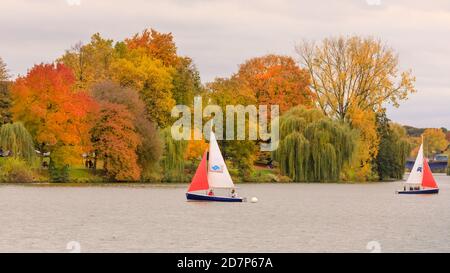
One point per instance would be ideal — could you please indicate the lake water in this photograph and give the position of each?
(287, 218)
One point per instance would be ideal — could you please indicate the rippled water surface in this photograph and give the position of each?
(287, 218)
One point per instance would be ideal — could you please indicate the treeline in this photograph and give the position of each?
(111, 102)
(106, 100)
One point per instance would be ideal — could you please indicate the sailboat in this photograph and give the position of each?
(420, 180)
(211, 174)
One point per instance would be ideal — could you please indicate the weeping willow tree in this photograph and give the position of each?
(313, 147)
(173, 157)
(15, 138)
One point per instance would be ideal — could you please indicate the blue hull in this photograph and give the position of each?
(425, 191)
(200, 197)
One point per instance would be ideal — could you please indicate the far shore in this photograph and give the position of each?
(179, 184)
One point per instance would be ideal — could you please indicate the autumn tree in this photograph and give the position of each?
(161, 46)
(53, 111)
(156, 45)
(360, 168)
(354, 72)
(434, 140)
(195, 149)
(115, 139)
(147, 62)
(149, 149)
(276, 79)
(137, 70)
(91, 62)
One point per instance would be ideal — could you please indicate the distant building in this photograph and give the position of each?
(441, 157)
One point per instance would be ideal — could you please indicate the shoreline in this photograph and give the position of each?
(175, 184)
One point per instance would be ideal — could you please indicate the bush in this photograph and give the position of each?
(15, 170)
(58, 174)
(284, 179)
(262, 176)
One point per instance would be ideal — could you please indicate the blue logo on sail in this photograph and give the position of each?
(216, 168)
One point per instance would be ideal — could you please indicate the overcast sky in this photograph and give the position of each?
(220, 34)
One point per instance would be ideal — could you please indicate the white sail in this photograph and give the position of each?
(416, 174)
(218, 175)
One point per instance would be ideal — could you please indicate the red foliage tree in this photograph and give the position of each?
(51, 109)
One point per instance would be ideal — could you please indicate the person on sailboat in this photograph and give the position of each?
(211, 192)
(233, 193)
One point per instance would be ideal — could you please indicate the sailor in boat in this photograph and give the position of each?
(420, 180)
(212, 173)
(233, 193)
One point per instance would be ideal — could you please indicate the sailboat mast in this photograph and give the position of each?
(426, 148)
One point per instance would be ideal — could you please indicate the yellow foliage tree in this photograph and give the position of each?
(434, 140)
(91, 62)
(354, 72)
(360, 168)
(140, 71)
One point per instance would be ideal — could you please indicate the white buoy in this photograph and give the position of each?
(254, 200)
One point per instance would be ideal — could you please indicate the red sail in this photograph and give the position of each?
(200, 180)
(428, 179)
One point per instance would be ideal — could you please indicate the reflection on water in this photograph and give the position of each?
(287, 218)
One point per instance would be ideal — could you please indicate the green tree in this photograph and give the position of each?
(234, 91)
(15, 138)
(173, 157)
(5, 103)
(4, 76)
(186, 82)
(313, 148)
(393, 149)
(5, 100)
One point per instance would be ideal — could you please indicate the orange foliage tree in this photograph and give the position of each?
(157, 45)
(54, 112)
(195, 148)
(278, 80)
(115, 140)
